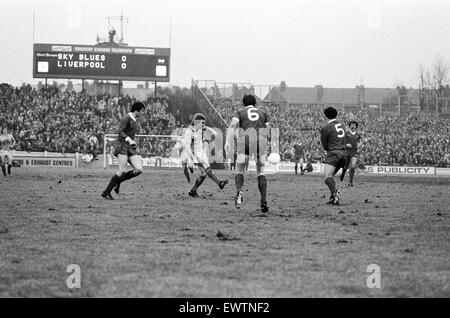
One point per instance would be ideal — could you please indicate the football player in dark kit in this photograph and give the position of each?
(125, 148)
(253, 124)
(352, 138)
(298, 151)
(333, 140)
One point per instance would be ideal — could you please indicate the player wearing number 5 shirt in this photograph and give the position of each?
(333, 140)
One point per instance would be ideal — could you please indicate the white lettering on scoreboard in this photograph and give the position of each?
(83, 60)
(401, 170)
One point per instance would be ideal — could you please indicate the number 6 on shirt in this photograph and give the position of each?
(253, 116)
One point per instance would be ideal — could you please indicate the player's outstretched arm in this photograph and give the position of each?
(212, 131)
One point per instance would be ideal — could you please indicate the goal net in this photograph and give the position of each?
(155, 150)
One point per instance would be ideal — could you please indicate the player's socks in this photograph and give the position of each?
(198, 183)
(4, 171)
(295, 168)
(126, 176)
(239, 180)
(114, 180)
(213, 176)
(262, 186)
(186, 173)
(117, 188)
(351, 174)
(341, 177)
(129, 175)
(331, 184)
(9, 169)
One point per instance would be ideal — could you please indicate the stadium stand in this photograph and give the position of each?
(388, 139)
(52, 120)
(67, 121)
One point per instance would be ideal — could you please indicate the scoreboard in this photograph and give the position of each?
(101, 62)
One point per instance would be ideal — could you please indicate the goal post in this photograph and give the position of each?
(155, 150)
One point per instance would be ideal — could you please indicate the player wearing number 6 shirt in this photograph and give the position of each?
(194, 143)
(333, 140)
(125, 149)
(253, 124)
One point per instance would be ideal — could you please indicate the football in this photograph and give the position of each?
(274, 158)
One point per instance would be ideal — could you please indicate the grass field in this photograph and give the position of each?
(155, 241)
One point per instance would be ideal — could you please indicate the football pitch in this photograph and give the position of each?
(156, 241)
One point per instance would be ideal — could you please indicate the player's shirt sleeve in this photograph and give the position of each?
(324, 138)
(123, 126)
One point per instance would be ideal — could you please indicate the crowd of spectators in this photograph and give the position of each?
(387, 139)
(49, 119)
(55, 120)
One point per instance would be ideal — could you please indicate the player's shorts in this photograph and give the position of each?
(185, 158)
(298, 159)
(124, 148)
(258, 151)
(337, 158)
(201, 158)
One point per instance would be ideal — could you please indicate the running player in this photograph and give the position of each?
(298, 151)
(7, 143)
(253, 124)
(352, 138)
(333, 141)
(125, 149)
(194, 145)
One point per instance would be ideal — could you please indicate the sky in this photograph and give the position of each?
(305, 43)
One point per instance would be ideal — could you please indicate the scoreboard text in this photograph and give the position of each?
(100, 62)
